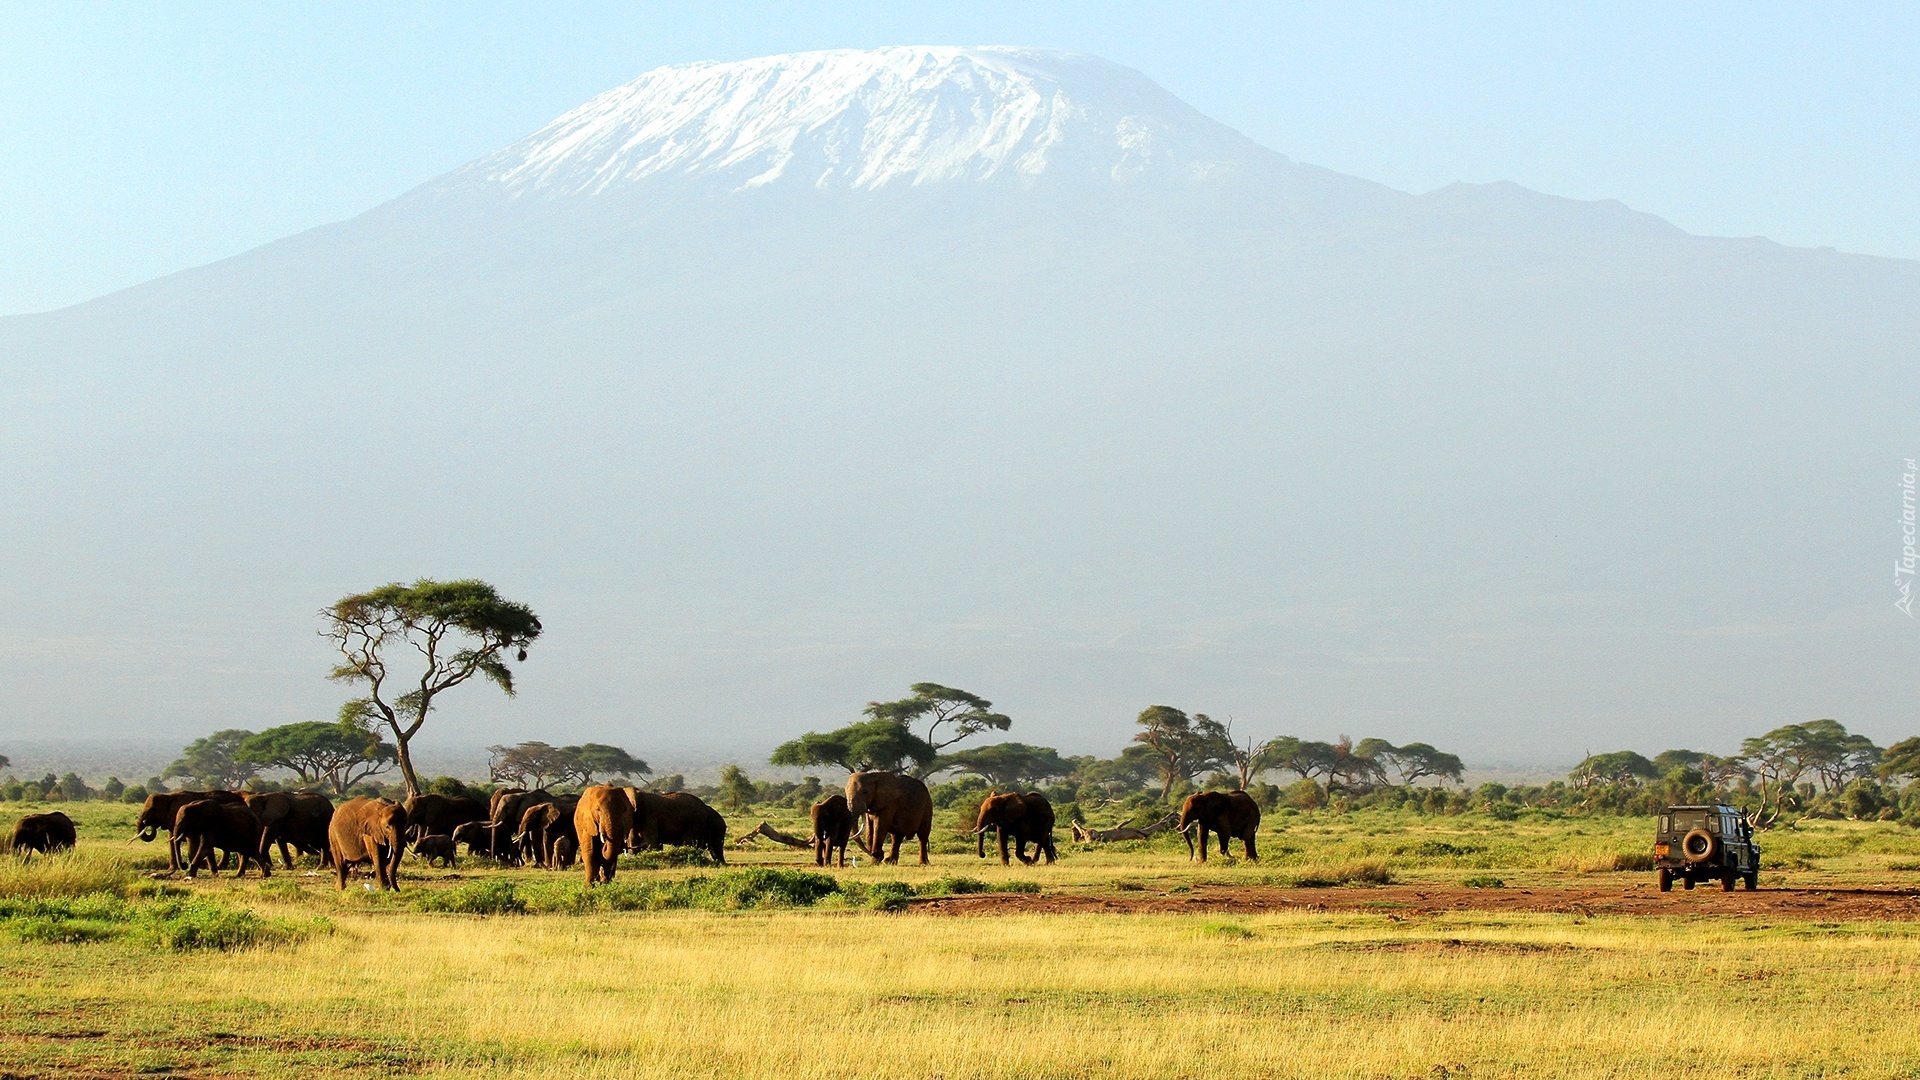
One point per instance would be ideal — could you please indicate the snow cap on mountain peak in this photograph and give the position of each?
(870, 119)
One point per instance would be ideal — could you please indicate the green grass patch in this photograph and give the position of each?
(161, 919)
(1483, 881)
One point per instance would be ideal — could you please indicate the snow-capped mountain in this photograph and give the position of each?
(776, 386)
(864, 120)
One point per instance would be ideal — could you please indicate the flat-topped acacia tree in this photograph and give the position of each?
(453, 630)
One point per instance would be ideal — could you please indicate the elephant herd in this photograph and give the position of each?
(211, 829)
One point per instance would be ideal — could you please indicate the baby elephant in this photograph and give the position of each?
(564, 849)
(435, 849)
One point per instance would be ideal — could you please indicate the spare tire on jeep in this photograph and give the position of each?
(1699, 845)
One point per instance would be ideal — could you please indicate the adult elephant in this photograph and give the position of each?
(439, 815)
(541, 825)
(832, 825)
(1225, 813)
(1023, 819)
(895, 805)
(210, 825)
(506, 812)
(158, 812)
(306, 827)
(368, 831)
(44, 833)
(602, 824)
(296, 820)
(676, 819)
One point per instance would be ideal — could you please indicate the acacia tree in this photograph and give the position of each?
(1417, 760)
(1901, 760)
(1183, 745)
(214, 761)
(340, 754)
(452, 631)
(538, 763)
(964, 715)
(1008, 765)
(870, 744)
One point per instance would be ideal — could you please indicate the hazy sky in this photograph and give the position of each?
(138, 139)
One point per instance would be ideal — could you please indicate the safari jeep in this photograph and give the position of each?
(1692, 844)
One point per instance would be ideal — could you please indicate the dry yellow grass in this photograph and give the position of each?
(846, 995)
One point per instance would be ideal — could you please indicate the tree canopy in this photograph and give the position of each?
(1183, 746)
(340, 754)
(214, 761)
(1417, 761)
(538, 764)
(1902, 759)
(449, 632)
(1617, 767)
(1008, 765)
(870, 744)
(961, 714)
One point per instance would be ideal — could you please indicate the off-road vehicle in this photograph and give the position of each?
(1692, 844)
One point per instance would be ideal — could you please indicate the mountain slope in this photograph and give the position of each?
(776, 386)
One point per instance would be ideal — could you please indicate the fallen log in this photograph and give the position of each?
(775, 835)
(1084, 835)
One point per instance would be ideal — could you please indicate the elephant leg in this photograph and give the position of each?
(1203, 843)
(1248, 841)
(339, 867)
(1003, 845)
(924, 835)
(173, 851)
(1188, 837)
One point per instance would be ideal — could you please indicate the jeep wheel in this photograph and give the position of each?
(1699, 846)
(1726, 882)
(1753, 880)
(1665, 877)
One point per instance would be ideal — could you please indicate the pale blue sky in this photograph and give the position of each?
(138, 139)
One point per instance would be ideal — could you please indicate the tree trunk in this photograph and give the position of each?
(406, 763)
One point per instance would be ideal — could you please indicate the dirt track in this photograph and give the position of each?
(1815, 905)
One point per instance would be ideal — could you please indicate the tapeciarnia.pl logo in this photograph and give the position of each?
(1904, 566)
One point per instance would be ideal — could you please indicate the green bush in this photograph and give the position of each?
(881, 895)
(478, 898)
(667, 858)
(951, 885)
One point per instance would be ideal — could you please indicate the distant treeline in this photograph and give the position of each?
(1817, 768)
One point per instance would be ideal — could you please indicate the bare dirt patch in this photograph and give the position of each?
(1814, 905)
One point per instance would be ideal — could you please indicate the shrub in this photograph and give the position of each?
(135, 795)
(669, 857)
(478, 898)
(951, 885)
(881, 895)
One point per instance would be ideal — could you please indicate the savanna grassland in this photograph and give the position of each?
(1333, 956)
